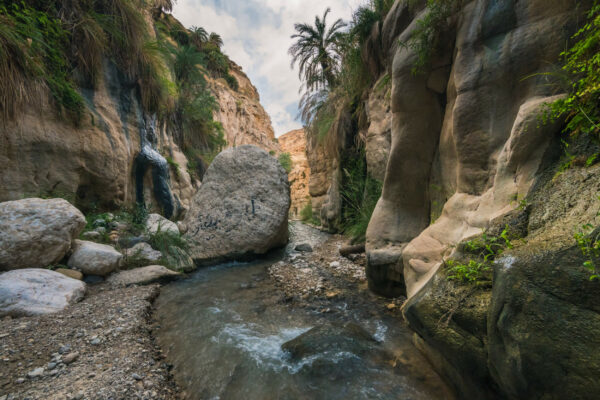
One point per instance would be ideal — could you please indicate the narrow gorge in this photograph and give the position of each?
(427, 228)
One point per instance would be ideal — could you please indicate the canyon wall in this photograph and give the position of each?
(464, 155)
(469, 155)
(294, 143)
(93, 163)
(244, 119)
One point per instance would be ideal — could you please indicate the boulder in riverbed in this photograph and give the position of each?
(143, 276)
(36, 233)
(35, 291)
(330, 338)
(241, 208)
(94, 258)
(144, 253)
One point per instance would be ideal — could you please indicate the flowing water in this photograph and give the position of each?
(223, 329)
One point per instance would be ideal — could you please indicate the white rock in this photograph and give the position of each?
(36, 233)
(155, 221)
(35, 291)
(94, 258)
(142, 276)
(36, 372)
(144, 252)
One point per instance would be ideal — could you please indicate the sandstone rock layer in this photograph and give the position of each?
(294, 143)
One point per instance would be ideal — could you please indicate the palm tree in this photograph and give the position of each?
(187, 63)
(198, 36)
(317, 51)
(215, 39)
(164, 5)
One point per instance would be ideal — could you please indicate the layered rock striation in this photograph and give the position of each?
(295, 143)
(244, 119)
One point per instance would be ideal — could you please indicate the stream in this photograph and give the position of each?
(223, 330)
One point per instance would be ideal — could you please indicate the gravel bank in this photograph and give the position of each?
(100, 348)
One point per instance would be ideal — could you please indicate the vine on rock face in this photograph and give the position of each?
(425, 40)
(581, 71)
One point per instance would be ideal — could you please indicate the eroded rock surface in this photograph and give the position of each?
(36, 233)
(241, 208)
(294, 142)
(243, 118)
(35, 291)
(462, 162)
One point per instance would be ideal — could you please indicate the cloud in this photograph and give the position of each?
(257, 37)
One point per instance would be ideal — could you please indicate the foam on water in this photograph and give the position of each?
(266, 350)
(380, 331)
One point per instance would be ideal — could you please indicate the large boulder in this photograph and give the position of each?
(241, 208)
(94, 258)
(36, 233)
(34, 291)
(143, 276)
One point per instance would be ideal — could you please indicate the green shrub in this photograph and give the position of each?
(232, 82)
(306, 214)
(285, 159)
(172, 246)
(360, 194)
(425, 40)
(486, 248)
(466, 273)
(589, 245)
(581, 72)
(33, 45)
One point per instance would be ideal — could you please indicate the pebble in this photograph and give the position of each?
(51, 365)
(64, 349)
(69, 358)
(78, 396)
(334, 264)
(20, 380)
(35, 373)
(136, 377)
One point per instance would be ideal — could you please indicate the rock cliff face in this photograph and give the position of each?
(243, 118)
(467, 147)
(466, 128)
(97, 163)
(294, 143)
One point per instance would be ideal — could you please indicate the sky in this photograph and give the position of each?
(257, 37)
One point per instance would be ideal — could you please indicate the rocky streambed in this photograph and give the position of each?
(297, 325)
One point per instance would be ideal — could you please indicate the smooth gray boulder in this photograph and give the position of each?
(156, 221)
(36, 233)
(143, 276)
(143, 252)
(94, 258)
(241, 209)
(34, 291)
